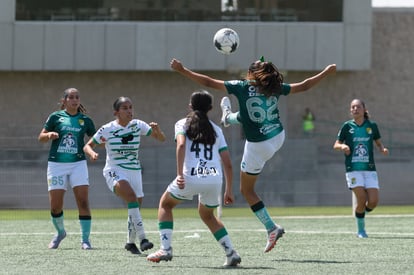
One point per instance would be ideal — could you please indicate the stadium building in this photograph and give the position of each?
(109, 48)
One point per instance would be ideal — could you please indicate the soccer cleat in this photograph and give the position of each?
(54, 243)
(86, 245)
(272, 238)
(161, 255)
(362, 234)
(131, 247)
(233, 259)
(145, 245)
(226, 110)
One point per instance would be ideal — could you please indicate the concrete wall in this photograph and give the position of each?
(145, 46)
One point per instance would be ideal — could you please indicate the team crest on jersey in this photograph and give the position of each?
(353, 181)
(81, 122)
(369, 131)
(133, 127)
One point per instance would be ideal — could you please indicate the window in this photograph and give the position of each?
(179, 10)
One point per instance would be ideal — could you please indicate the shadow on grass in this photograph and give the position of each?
(392, 237)
(235, 268)
(313, 261)
(217, 267)
(241, 267)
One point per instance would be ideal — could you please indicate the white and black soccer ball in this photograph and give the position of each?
(226, 41)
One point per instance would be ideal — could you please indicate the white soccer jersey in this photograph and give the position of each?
(122, 143)
(202, 162)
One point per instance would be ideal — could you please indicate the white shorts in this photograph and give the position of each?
(60, 174)
(366, 179)
(256, 154)
(209, 193)
(133, 177)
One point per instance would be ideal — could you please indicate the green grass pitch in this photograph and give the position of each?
(318, 240)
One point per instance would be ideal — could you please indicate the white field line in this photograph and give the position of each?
(346, 216)
(192, 231)
(2, 234)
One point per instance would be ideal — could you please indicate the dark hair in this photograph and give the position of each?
(81, 108)
(266, 77)
(199, 128)
(118, 102)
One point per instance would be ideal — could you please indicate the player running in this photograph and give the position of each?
(201, 148)
(122, 170)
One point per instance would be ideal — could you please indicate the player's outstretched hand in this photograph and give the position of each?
(330, 68)
(176, 65)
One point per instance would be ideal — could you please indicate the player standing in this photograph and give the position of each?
(67, 163)
(355, 139)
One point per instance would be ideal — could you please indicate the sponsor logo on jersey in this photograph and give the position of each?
(269, 128)
(68, 144)
(202, 170)
(360, 153)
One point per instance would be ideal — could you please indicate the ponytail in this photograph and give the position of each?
(199, 128)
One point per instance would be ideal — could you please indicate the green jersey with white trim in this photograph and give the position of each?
(72, 130)
(122, 143)
(258, 114)
(360, 139)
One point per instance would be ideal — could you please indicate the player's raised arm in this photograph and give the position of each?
(201, 79)
(313, 80)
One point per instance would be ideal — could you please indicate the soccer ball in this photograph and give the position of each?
(226, 41)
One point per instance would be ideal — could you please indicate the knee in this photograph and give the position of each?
(245, 191)
(166, 203)
(242, 190)
(165, 206)
(207, 218)
(372, 204)
(372, 201)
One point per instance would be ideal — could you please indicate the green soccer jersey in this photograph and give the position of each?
(258, 114)
(360, 139)
(72, 130)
